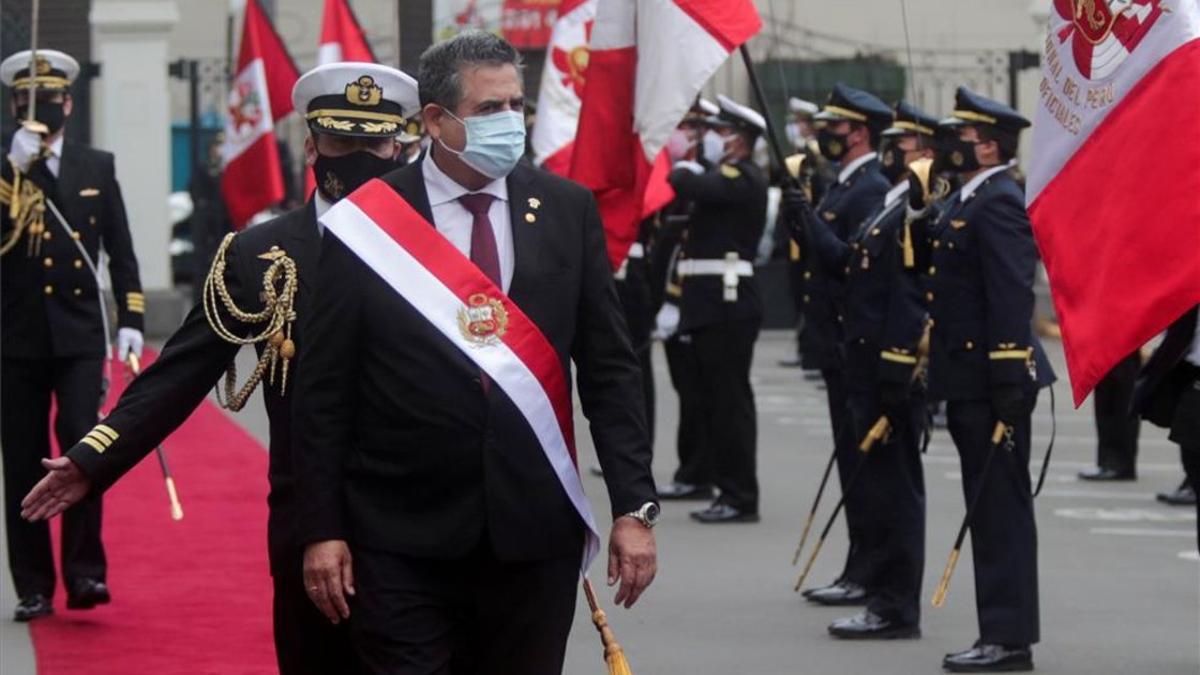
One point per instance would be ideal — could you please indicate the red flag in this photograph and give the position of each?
(261, 94)
(639, 85)
(1118, 226)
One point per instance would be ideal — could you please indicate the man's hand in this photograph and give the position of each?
(60, 489)
(129, 340)
(632, 559)
(329, 578)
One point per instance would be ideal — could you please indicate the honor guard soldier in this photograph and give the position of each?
(721, 309)
(258, 293)
(60, 203)
(693, 479)
(633, 288)
(884, 321)
(985, 362)
(801, 133)
(849, 130)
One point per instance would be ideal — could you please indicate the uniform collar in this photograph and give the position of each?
(56, 147)
(895, 194)
(972, 185)
(849, 169)
(443, 189)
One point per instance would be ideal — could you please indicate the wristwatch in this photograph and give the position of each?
(647, 515)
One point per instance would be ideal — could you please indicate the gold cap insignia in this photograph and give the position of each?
(483, 320)
(42, 66)
(364, 91)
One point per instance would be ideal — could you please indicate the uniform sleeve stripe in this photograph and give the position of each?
(99, 438)
(107, 431)
(88, 441)
(1009, 354)
(898, 358)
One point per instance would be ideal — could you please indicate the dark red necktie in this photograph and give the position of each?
(483, 239)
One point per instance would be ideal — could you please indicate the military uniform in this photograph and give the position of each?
(981, 261)
(204, 347)
(857, 193)
(632, 280)
(720, 308)
(53, 334)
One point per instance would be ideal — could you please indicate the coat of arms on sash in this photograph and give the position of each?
(483, 321)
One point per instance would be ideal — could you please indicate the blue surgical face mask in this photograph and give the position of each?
(495, 142)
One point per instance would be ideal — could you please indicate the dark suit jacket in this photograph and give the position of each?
(981, 261)
(193, 361)
(400, 447)
(1158, 388)
(49, 304)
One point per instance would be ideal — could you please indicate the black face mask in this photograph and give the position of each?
(956, 155)
(831, 145)
(891, 161)
(339, 176)
(50, 114)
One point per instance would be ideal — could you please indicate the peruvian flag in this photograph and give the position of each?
(561, 90)
(261, 94)
(648, 60)
(342, 39)
(1114, 184)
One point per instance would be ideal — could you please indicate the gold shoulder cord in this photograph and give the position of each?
(278, 314)
(27, 208)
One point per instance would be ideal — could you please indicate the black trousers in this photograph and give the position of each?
(724, 352)
(26, 386)
(306, 643)
(691, 438)
(1185, 430)
(858, 568)
(1116, 424)
(891, 485)
(477, 615)
(1003, 531)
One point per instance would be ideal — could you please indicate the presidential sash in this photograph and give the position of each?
(450, 292)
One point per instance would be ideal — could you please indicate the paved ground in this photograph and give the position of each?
(1119, 575)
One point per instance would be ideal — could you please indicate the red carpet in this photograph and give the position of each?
(192, 596)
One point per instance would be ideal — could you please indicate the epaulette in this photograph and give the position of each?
(27, 209)
(276, 318)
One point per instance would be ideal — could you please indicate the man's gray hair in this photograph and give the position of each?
(440, 73)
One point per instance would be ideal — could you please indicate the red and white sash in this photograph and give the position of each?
(450, 291)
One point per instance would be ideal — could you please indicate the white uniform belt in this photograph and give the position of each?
(696, 267)
(637, 250)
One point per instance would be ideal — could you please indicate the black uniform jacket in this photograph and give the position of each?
(195, 358)
(979, 260)
(1159, 385)
(399, 444)
(885, 311)
(49, 306)
(844, 207)
(729, 215)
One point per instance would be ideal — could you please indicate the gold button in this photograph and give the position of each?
(48, 262)
(78, 264)
(875, 232)
(932, 270)
(862, 341)
(929, 296)
(806, 298)
(48, 289)
(75, 235)
(969, 345)
(529, 218)
(78, 291)
(937, 243)
(846, 270)
(839, 318)
(47, 236)
(91, 220)
(807, 275)
(950, 245)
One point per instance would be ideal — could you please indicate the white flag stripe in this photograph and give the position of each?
(558, 104)
(252, 80)
(614, 27)
(329, 52)
(440, 306)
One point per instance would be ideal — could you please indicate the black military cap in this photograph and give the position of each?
(909, 119)
(855, 105)
(971, 108)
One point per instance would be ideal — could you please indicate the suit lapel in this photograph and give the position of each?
(70, 167)
(409, 181)
(303, 244)
(527, 227)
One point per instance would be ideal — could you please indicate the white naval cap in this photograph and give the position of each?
(798, 106)
(738, 115)
(54, 70)
(349, 98)
(708, 107)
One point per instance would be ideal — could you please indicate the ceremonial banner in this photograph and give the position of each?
(647, 62)
(1114, 181)
(261, 94)
(562, 86)
(409, 254)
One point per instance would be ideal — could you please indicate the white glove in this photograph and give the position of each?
(666, 322)
(129, 340)
(26, 147)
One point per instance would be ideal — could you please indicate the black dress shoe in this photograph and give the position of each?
(33, 607)
(808, 592)
(87, 593)
(870, 626)
(1184, 495)
(840, 594)
(1105, 474)
(724, 513)
(683, 491)
(983, 658)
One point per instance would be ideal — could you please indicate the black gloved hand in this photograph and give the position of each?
(1008, 403)
(792, 205)
(893, 397)
(916, 194)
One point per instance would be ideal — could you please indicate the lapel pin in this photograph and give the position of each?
(534, 203)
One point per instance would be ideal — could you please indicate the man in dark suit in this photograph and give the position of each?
(721, 308)
(53, 324)
(980, 259)
(416, 460)
(884, 322)
(1167, 393)
(194, 358)
(848, 133)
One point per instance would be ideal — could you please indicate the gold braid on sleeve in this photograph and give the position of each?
(272, 325)
(27, 209)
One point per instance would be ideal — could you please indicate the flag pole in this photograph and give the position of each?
(772, 139)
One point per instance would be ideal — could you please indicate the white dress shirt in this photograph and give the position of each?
(454, 221)
(321, 205)
(850, 168)
(973, 184)
(55, 158)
